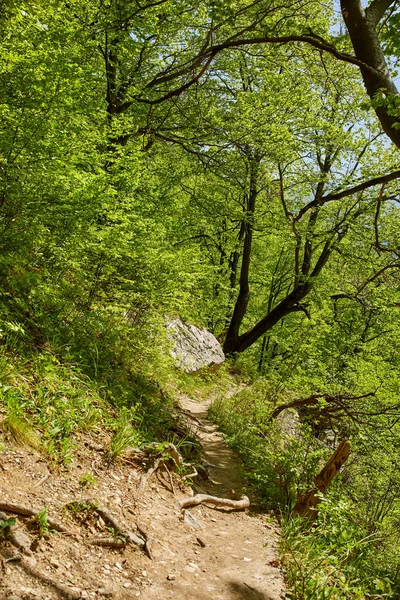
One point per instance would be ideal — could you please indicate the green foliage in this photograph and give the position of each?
(42, 523)
(333, 560)
(87, 480)
(280, 464)
(5, 525)
(124, 435)
(21, 432)
(127, 160)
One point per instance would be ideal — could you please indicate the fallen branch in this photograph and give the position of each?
(331, 404)
(62, 590)
(29, 512)
(244, 502)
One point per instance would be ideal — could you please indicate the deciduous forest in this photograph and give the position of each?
(236, 164)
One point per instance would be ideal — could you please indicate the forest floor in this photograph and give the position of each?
(220, 554)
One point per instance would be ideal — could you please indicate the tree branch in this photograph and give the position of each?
(377, 9)
(383, 179)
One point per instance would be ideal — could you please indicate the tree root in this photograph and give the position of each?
(171, 481)
(244, 502)
(62, 590)
(21, 541)
(146, 477)
(191, 475)
(108, 542)
(24, 511)
(109, 518)
(148, 541)
(168, 454)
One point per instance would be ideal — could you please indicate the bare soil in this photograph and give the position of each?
(205, 553)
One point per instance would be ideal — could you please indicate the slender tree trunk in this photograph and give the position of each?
(242, 300)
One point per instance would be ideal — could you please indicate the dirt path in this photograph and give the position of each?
(235, 559)
(240, 558)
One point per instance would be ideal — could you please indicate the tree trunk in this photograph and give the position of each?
(286, 306)
(361, 24)
(242, 300)
(306, 503)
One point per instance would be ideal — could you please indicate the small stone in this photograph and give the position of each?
(105, 591)
(193, 521)
(171, 577)
(54, 563)
(144, 573)
(127, 584)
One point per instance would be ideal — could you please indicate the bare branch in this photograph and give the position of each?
(383, 179)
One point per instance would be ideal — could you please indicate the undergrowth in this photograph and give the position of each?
(341, 555)
(47, 401)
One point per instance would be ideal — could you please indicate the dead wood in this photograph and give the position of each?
(200, 542)
(64, 591)
(24, 511)
(244, 502)
(109, 518)
(333, 404)
(42, 480)
(306, 503)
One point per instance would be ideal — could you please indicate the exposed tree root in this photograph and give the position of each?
(244, 502)
(146, 477)
(148, 541)
(108, 542)
(191, 475)
(24, 511)
(62, 590)
(169, 458)
(109, 518)
(171, 481)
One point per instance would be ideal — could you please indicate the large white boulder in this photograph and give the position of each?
(193, 347)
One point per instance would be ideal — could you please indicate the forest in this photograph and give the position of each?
(235, 163)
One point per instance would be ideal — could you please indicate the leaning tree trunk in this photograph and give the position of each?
(362, 27)
(306, 505)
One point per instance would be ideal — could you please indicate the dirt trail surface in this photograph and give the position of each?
(199, 554)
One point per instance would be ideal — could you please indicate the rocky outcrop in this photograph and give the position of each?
(193, 347)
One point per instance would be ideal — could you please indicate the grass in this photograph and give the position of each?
(336, 558)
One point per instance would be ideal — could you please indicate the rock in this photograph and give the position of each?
(21, 540)
(105, 591)
(193, 347)
(193, 521)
